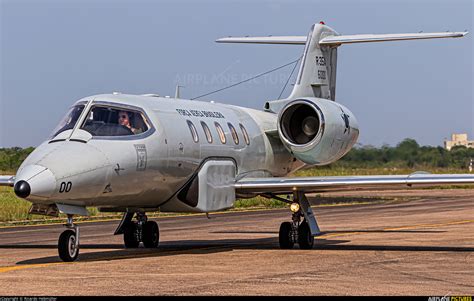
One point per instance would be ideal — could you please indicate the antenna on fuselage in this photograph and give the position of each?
(176, 93)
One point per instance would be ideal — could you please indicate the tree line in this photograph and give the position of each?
(407, 153)
(11, 158)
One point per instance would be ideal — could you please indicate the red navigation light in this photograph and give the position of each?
(322, 23)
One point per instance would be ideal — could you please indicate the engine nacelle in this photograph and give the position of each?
(317, 131)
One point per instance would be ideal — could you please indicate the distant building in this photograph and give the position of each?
(458, 139)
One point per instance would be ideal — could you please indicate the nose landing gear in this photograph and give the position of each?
(297, 231)
(68, 243)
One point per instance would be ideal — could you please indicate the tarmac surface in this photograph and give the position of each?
(420, 246)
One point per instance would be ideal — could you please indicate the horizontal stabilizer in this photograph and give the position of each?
(292, 40)
(365, 38)
(342, 39)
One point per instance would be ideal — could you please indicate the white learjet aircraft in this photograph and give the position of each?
(140, 153)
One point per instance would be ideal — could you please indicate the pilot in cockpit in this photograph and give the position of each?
(124, 118)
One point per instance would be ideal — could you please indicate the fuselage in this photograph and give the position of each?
(146, 170)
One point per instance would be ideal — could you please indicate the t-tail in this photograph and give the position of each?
(317, 73)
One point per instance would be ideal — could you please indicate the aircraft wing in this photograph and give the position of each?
(348, 183)
(7, 180)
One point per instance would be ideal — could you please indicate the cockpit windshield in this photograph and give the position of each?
(111, 121)
(69, 120)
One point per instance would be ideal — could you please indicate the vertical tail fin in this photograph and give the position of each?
(317, 74)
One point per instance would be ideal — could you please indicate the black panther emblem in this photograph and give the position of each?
(345, 117)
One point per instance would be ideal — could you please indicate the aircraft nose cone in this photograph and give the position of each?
(34, 182)
(22, 189)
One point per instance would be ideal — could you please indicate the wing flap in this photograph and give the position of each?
(348, 183)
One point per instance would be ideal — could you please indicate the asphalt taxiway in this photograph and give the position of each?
(423, 246)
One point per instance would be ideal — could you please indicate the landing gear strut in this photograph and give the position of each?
(68, 244)
(297, 231)
(142, 230)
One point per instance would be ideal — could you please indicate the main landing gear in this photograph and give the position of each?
(297, 231)
(142, 230)
(68, 244)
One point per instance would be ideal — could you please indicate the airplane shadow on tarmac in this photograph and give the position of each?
(172, 248)
(330, 232)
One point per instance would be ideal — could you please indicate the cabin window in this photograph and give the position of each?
(207, 131)
(244, 132)
(114, 121)
(193, 130)
(234, 133)
(220, 131)
(69, 120)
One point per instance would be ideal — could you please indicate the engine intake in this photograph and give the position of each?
(317, 131)
(300, 123)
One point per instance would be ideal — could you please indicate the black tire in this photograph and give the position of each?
(151, 235)
(285, 236)
(305, 238)
(130, 238)
(67, 246)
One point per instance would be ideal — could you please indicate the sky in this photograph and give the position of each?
(53, 53)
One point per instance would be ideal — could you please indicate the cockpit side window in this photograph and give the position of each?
(69, 120)
(111, 121)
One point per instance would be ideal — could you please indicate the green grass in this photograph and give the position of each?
(258, 202)
(11, 207)
(346, 171)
